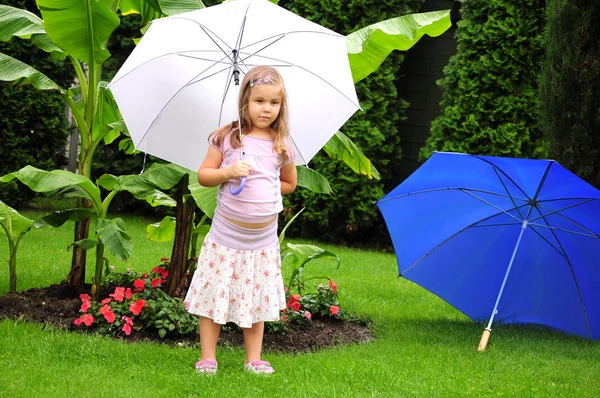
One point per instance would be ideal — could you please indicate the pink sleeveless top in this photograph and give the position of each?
(260, 199)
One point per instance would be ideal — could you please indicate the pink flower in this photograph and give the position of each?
(334, 309)
(139, 285)
(307, 314)
(187, 305)
(109, 316)
(85, 306)
(104, 309)
(106, 301)
(127, 320)
(136, 307)
(77, 321)
(333, 286)
(127, 329)
(85, 297)
(87, 319)
(128, 294)
(119, 294)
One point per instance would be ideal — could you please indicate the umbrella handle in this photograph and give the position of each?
(235, 191)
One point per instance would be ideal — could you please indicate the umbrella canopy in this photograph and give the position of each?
(178, 85)
(501, 239)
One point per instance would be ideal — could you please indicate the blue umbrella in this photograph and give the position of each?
(501, 239)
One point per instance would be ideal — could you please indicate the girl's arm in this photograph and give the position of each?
(210, 174)
(289, 178)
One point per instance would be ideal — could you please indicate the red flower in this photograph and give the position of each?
(104, 309)
(139, 285)
(119, 294)
(109, 316)
(307, 314)
(164, 260)
(295, 297)
(85, 306)
(127, 329)
(156, 282)
(284, 318)
(160, 270)
(334, 309)
(86, 319)
(295, 306)
(136, 307)
(128, 294)
(85, 297)
(333, 286)
(106, 301)
(127, 320)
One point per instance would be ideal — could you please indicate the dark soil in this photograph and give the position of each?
(58, 305)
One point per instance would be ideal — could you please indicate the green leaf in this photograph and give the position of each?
(282, 234)
(60, 217)
(173, 7)
(163, 231)
(368, 47)
(312, 252)
(86, 244)
(106, 114)
(205, 197)
(13, 70)
(12, 221)
(162, 332)
(112, 234)
(80, 27)
(58, 181)
(340, 147)
(138, 187)
(310, 179)
(164, 176)
(15, 22)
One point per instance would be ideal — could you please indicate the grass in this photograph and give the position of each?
(423, 347)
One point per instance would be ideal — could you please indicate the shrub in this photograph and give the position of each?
(490, 90)
(570, 86)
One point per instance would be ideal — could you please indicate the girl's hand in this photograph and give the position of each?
(239, 169)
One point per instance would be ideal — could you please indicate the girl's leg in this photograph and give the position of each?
(253, 338)
(209, 336)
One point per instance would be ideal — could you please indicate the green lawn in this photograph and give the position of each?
(423, 347)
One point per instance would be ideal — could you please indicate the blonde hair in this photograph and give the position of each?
(279, 125)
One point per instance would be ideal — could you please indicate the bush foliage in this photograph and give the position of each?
(33, 129)
(490, 90)
(349, 214)
(570, 86)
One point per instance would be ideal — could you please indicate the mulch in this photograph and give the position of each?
(58, 305)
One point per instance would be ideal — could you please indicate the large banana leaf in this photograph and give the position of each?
(13, 70)
(58, 181)
(80, 27)
(112, 234)
(340, 147)
(106, 114)
(165, 176)
(12, 222)
(310, 179)
(205, 197)
(26, 25)
(163, 231)
(368, 47)
(138, 187)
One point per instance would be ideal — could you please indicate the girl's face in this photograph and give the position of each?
(264, 104)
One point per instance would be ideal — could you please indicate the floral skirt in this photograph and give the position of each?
(237, 285)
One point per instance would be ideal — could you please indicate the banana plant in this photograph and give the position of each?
(108, 233)
(78, 31)
(15, 226)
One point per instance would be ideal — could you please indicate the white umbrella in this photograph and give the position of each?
(178, 85)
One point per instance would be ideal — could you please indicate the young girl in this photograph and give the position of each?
(238, 278)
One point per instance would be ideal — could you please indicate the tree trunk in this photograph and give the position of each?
(178, 265)
(76, 277)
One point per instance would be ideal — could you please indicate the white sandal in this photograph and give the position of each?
(207, 366)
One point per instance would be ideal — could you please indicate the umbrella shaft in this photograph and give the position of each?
(512, 259)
